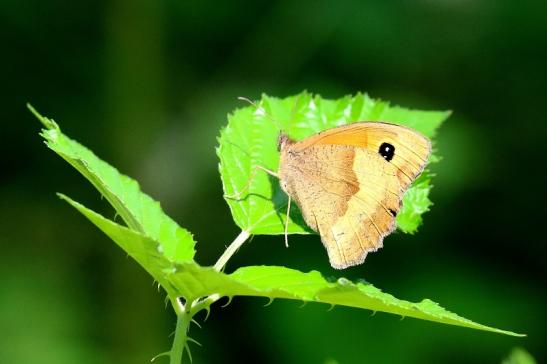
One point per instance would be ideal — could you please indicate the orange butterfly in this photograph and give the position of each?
(349, 182)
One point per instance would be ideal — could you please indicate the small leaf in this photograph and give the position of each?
(140, 212)
(250, 139)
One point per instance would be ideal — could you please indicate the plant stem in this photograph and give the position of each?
(232, 248)
(186, 312)
(181, 337)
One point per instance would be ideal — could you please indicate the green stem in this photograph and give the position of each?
(186, 312)
(232, 248)
(181, 337)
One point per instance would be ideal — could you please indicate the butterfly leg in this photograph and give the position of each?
(287, 223)
(237, 196)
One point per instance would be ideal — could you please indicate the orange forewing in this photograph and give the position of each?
(411, 148)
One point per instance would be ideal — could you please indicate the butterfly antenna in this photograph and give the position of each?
(261, 110)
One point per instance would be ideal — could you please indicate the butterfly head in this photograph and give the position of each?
(283, 141)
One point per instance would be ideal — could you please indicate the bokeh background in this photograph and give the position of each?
(148, 84)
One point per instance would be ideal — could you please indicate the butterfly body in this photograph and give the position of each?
(349, 182)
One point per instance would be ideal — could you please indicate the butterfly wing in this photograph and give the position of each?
(411, 149)
(347, 191)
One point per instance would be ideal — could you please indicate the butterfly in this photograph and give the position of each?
(349, 182)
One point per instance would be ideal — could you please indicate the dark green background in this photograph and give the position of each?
(148, 84)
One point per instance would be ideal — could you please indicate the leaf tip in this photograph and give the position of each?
(62, 196)
(515, 334)
(68, 200)
(48, 123)
(32, 109)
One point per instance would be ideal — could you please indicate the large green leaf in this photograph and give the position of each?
(250, 139)
(140, 212)
(191, 281)
(280, 282)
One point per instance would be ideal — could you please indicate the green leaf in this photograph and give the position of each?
(416, 202)
(250, 139)
(191, 281)
(280, 282)
(140, 212)
(145, 250)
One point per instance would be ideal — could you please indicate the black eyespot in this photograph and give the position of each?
(387, 151)
(393, 212)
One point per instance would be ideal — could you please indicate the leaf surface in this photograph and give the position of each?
(250, 139)
(138, 210)
(191, 281)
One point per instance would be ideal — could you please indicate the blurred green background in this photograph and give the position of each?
(148, 84)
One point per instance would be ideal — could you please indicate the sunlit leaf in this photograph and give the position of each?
(145, 250)
(250, 139)
(140, 212)
(279, 282)
(191, 281)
